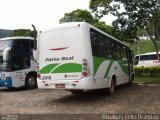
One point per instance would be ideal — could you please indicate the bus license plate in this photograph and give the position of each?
(60, 86)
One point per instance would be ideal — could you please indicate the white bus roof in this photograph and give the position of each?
(149, 53)
(76, 24)
(17, 37)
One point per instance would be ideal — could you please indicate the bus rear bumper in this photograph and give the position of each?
(81, 84)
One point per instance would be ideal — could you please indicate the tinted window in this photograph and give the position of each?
(148, 57)
(106, 47)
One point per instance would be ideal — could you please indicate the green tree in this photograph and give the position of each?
(80, 15)
(22, 32)
(137, 14)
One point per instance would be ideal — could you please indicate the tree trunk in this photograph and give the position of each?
(154, 43)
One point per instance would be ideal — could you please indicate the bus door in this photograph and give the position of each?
(20, 60)
(18, 69)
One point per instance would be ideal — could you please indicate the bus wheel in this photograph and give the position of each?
(111, 89)
(76, 91)
(31, 81)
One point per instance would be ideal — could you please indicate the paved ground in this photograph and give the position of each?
(126, 100)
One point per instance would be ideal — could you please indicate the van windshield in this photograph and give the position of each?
(136, 60)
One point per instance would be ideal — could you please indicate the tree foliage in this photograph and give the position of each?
(103, 7)
(22, 32)
(138, 14)
(80, 15)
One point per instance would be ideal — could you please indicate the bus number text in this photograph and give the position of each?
(46, 78)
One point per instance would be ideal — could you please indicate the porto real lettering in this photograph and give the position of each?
(58, 59)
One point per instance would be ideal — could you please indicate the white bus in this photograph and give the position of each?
(146, 60)
(78, 57)
(17, 65)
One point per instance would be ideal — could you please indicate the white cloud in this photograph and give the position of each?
(15, 14)
(43, 13)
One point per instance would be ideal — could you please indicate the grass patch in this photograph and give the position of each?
(147, 80)
(144, 46)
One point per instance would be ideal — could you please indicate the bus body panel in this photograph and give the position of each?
(60, 56)
(148, 63)
(147, 60)
(104, 74)
(16, 78)
(53, 45)
(85, 84)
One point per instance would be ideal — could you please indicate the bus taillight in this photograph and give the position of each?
(38, 76)
(85, 68)
(84, 74)
(84, 64)
(37, 67)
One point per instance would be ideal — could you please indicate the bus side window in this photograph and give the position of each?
(94, 40)
(102, 46)
(118, 50)
(154, 57)
(124, 54)
(108, 48)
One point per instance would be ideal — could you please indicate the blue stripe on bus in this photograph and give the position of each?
(5, 83)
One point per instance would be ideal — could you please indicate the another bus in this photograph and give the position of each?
(78, 57)
(146, 60)
(17, 65)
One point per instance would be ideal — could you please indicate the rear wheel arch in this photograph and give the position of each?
(113, 84)
(114, 78)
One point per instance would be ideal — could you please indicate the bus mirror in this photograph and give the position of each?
(35, 36)
(35, 44)
(6, 53)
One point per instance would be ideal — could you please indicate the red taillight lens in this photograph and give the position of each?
(84, 64)
(85, 68)
(38, 75)
(37, 67)
(84, 74)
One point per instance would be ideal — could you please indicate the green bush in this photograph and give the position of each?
(147, 71)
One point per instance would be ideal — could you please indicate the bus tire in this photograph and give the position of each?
(111, 89)
(76, 91)
(31, 81)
